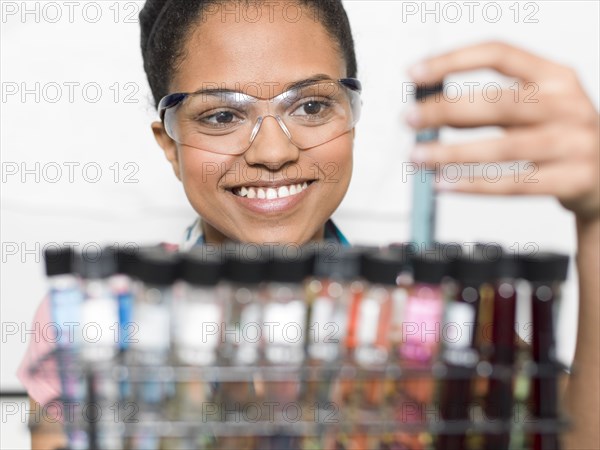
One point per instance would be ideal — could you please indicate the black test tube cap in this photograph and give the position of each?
(506, 265)
(383, 266)
(509, 266)
(97, 265)
(431, 266)
(127, 260)
(157, 266)
(202, 266)
(545, 267)
(335, 261)
(244, 263)
(407, 250)
(289, 264)
(424, 91)
(475, 267)
(59, 260)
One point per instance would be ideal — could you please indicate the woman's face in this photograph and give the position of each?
(271, 53)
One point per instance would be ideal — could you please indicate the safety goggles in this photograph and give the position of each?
(310, 114)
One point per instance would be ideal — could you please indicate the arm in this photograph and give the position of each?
(582, 394)
(45, 434)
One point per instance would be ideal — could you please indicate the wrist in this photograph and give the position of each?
(588, 230)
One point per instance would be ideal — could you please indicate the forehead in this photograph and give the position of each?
(235, 44)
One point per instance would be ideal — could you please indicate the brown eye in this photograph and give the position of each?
(311, 108)
(224, 117)
(220, 119)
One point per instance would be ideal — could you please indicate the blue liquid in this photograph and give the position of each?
(424, 198)
(125, 300)
(66, 305)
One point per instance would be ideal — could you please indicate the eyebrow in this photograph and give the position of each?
(294, 85)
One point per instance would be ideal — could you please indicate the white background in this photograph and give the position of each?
(153, 208)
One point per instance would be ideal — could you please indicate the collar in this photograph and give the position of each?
(193, 235)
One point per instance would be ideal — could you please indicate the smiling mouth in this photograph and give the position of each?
(270, 193)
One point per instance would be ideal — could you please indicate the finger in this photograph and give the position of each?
(504, 58)
(525, 106)
(539, 144)
(566, 181)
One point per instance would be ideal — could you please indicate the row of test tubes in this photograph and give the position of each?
(322, 346)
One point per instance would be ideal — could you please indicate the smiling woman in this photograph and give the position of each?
(271, 155)
(258, 101)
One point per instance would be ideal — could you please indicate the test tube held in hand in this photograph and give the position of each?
(424, 198)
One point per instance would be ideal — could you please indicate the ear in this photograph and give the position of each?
(168, 145)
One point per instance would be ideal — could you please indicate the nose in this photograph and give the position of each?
(271, 145)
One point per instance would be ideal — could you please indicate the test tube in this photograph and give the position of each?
(198, 313)
(406, 252)
(423, 197)
(245, 271)
(380, 270)
(353, 319)
(499, 399)
(420, 341)
(336, 269)
(285, 305)
(157, 270)
(245, 266)
(546, 272)
(424, 307)
(100, 314)
(100, 332)
(335, 289)
(66, 302)
(284, 319)
(124, 286)
(461, 350)
(378, 308)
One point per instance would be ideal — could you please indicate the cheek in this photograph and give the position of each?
(336, 161)
(201, 171)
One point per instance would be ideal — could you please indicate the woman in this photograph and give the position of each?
(266, 177)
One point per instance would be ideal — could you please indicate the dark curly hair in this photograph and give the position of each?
(166, 23)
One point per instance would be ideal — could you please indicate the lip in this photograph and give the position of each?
(272, 206)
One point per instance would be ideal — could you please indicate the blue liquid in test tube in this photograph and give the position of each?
(424, 197)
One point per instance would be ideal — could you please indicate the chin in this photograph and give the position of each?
(276, 236)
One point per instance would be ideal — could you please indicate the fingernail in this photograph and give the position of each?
(419, 71)
(413, 116)
(419, 154)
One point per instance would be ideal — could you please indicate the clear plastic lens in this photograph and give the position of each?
(223, 122)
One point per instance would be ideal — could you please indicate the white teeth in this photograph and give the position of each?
(283, 192)
(270, 193)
